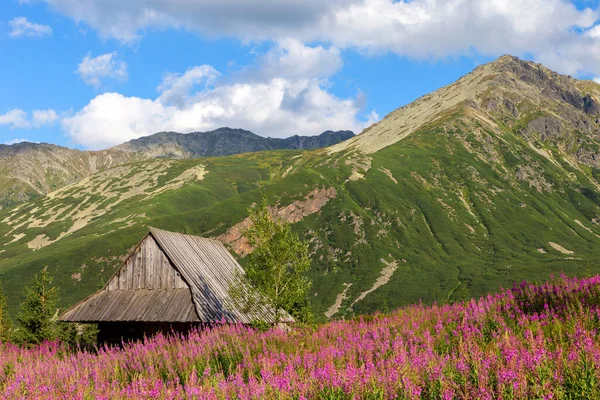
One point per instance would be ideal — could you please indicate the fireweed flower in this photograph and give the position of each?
(526, 342)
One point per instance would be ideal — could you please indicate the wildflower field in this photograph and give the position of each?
(526, 342)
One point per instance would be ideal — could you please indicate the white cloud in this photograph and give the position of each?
(247, 19)
(597, 80)
(293, 60)
(17, 118)
(279, 108)
(176, 88)
(111, 118)
(43, 117)
(270, 99)
(20, 26)
(93, 69)
(424, 28)
(551, 30)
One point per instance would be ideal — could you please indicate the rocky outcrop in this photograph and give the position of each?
(546, 127)
(533, 177)
(590, 106)
(292, 213)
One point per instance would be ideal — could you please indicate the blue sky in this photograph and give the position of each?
(94, 73)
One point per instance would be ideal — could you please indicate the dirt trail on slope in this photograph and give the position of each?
(386, 275)
(335, 307)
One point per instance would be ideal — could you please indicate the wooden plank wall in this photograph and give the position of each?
(147, 268)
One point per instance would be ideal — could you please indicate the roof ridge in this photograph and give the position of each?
(151, 229)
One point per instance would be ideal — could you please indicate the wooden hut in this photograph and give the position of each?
(170, 282)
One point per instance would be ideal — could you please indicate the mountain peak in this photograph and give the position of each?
(509, 58)
(496, 94)
(518, 67)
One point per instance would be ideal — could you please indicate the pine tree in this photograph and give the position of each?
(5, 320)
(36, 317)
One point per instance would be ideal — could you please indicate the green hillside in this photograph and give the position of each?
(30, 170)
(474, 197)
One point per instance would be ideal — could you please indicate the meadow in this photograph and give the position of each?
(531, 341)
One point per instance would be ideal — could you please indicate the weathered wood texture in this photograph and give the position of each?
(210, 270)
(147, 268)
(159, 305)
(171, 277)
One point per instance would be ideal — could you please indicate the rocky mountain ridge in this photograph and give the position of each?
(224, 142)
(504, 93)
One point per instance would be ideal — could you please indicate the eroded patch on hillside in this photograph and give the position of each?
(335, 307)
(196, 173)
(544, 153)
(360, 164)
(16, 238)
(39, 242)
(560, 248)
(292, 213)
(386, 275)
(578, 222)
(389, 174)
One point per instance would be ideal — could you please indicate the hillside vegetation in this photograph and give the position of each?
(528, 342)
(31, 170)
(491, 180)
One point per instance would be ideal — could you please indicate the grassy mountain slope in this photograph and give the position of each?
(500, 186)
(30, 170)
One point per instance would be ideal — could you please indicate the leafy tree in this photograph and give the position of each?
(275, 268)
(36, 318)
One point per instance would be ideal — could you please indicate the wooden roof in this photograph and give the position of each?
(160, 305)
(171, 277)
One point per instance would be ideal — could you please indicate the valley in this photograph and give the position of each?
(488, 181)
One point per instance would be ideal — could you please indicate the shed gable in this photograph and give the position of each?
(147, 267)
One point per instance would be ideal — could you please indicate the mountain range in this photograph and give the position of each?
(30, 170)
(490, 180)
